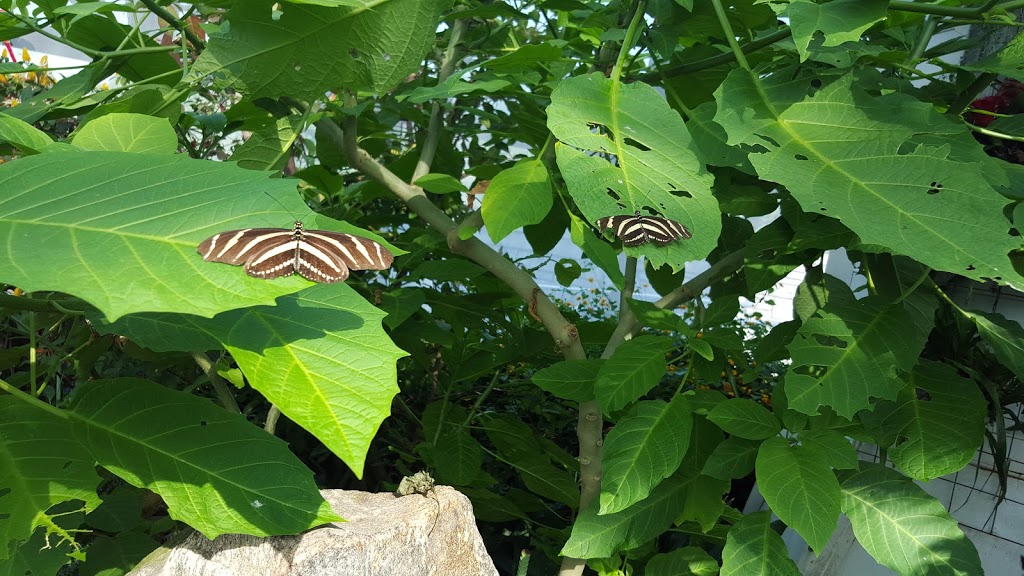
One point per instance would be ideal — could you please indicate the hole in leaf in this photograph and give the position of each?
(298, 66)
(935, 188)
(768, 254)
(4, 516)
(823, 209)
(816, 83)
(971, 268)
(923, 395)
(66, 465)
(630, 142)
(4, 492)
(1013, 232)
(353, 53)
(901, 440)
(800, 157)
(202, 422)
(614, 194)
(830, 341)
(387, 57)
(682, 193)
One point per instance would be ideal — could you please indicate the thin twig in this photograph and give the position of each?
(448, 61)
(227, 399)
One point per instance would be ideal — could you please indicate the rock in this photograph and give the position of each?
(386, 535)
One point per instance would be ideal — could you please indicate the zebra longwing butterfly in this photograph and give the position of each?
(637, 229)
(316, 255)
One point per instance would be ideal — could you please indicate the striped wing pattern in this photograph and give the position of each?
(637, 229)
(316, 255)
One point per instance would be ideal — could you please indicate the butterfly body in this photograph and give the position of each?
(637, 229)
(315, 255)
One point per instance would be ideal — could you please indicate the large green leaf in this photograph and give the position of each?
(122, 230)
(656, 166)
(519, 448)
(312, 49)
(800, 488)
(903, 527)
(937, 423)
(25, 137)
(733, 458)
(41, 464)
(123, 132)
(569, 379)
(745, 418)
(860, 159)
(1005, 336)
(516, 197)
(839, 21)
(457, 458)
(270, 147)
(682, 562)
(752, 548)
(595, 536)
(320, 356)
(846, 354)
(635, 367)
(645, 447)
(215, 470)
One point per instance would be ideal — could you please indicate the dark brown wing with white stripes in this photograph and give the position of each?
(636, 229)
(354, 251)
(317, 255)
(236, 246)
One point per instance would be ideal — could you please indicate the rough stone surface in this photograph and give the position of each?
(386, 535)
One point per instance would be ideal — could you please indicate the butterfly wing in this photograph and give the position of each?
(273, 260)
(661, 231)
(318, 260)
(637, 230)
(355, 252)
(317, 255)
(235, 247)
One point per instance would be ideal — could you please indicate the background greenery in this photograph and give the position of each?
(591, 430)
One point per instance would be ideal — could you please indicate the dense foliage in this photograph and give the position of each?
(142, 387)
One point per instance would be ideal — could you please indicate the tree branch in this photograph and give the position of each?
(174, 22)
(563, 332)
(448, 61)
(629, 326)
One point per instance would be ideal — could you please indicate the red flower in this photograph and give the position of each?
(998, 104)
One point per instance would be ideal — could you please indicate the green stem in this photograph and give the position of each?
(175, 22)
(922, 8)
(730, 36)
(273, 415)
(434, 127)
(927, 32)
(720, 59)
(227, 399)
(480, 399)
(35, 402)
(627, 43)
(66, 306)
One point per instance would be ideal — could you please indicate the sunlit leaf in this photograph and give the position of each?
(216, 471)
(800, 488)
(645, 447)
(903, 527)
(320, 356)
(656, 166)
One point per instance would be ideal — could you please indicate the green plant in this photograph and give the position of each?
(600, 434)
